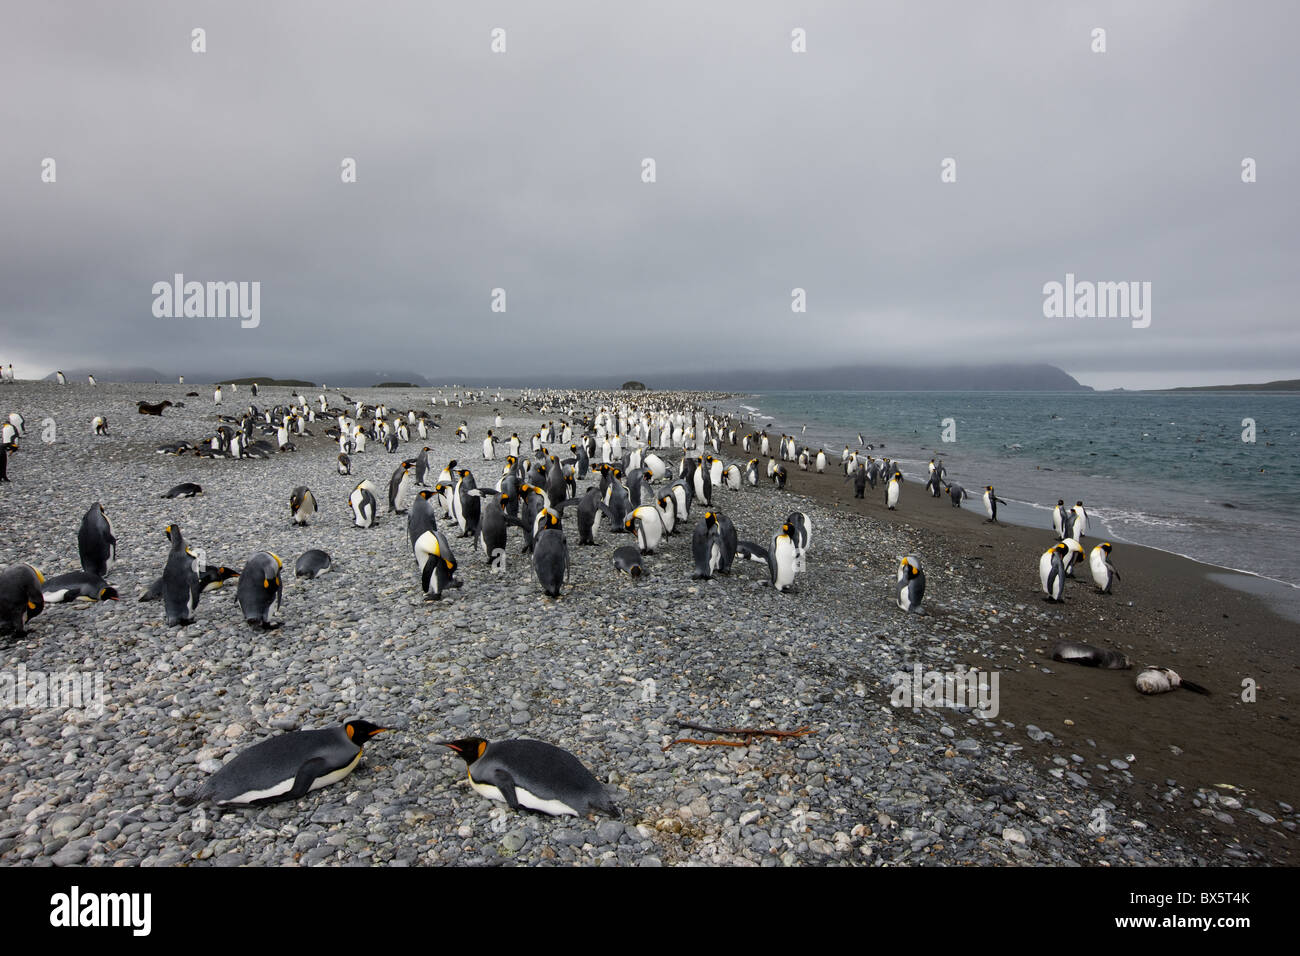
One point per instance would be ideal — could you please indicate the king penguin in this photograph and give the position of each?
(910, 584)
(288, 766)
(259, 588)
(181, 587)
(302, 505)
(532, 775)
(551, 560)
(1103, 572)
(20, 597)
(95, 541)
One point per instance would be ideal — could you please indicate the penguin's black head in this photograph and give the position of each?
(359, 731)
(469, 748)
(108, 594)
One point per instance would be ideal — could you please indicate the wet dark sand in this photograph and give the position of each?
(1166, 611)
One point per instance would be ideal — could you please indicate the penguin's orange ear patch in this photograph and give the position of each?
(482, 747)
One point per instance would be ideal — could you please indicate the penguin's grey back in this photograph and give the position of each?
(274, 762)
(545, 771)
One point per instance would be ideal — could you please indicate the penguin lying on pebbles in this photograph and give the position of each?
(312, 564)
(628, 560)
(20, 597)
(186, 489)
(1076, 652)
(1161, 680)
(64, 588)
(532, 775)
(287, 766)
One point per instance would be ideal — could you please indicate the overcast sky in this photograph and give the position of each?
(775, 170)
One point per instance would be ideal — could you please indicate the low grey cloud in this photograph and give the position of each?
(522, 170)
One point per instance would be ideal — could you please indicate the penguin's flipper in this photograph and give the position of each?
(752, 551)
(1195, 688)
(506, 784)
(307, 775)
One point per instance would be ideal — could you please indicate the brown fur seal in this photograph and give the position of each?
(1076, 652)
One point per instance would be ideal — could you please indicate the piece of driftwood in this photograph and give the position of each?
(749, 733)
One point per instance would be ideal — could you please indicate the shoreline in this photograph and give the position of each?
(1284, 595)
(1167, 610)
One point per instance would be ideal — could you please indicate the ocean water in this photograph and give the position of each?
(1167, 470)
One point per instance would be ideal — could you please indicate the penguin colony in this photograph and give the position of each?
(613, 467)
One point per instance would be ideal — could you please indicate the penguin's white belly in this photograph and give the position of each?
(1100, 573)
(1044, 569)
(55, 597)
(555, 808)
(284, 786)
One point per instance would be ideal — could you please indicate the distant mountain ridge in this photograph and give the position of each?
(885, 378)
(1281, 385)
(882, 378)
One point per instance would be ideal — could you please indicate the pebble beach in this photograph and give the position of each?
(1075, 768)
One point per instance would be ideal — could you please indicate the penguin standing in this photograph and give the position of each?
(362, 502)
(532, 775)
(20, 597)
(910, 585)
(1103, 572)
(216, 396)
(647, 524)
(95, 541)
(801, 534)
(399, 488)
(1051, 573)
(1072, 556)
(489, 446)
(288, 766)
(895, 488)
(345, 464)
(706, 547)
(779, 557)
(1058, 519)
(302, 505)
(1078, 526)
(6, 449)
(259, 588)
(991, 502)
(437, 564)
(181, 587)
(551, 560)
(99, 424)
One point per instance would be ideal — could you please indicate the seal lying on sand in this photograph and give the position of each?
(1161, 680)
(1078, 653)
